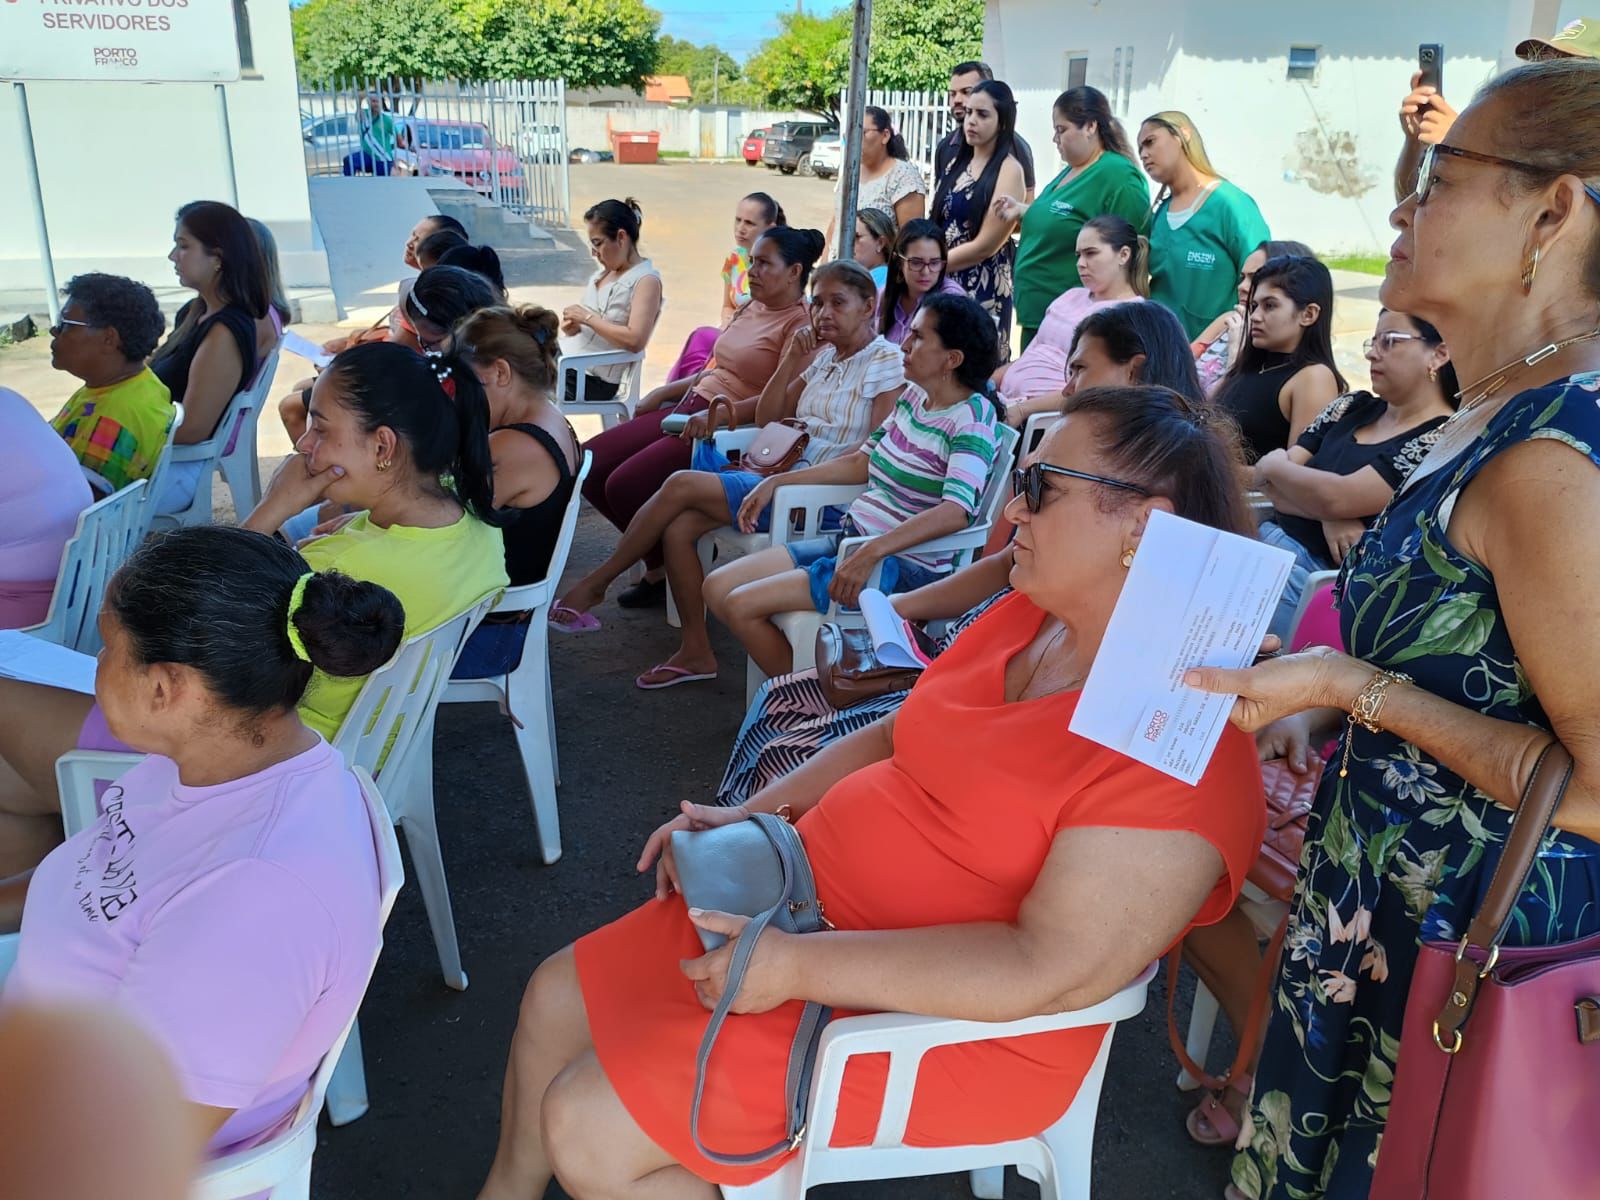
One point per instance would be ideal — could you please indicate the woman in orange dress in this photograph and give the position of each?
(978, 860)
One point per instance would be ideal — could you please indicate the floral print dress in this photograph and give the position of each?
(1402, 850)
(990, 282)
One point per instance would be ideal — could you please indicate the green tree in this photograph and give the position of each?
(916, 42)
(807, 64)
(713, 74)
(590, 43)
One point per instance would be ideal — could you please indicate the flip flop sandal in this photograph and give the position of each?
(1210, 1123)
(675, 676)
(569, 620)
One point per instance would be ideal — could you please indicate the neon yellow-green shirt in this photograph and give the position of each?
(118, 432)
(435, 574)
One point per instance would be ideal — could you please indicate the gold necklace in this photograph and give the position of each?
(1043, 655)
(1500, 375)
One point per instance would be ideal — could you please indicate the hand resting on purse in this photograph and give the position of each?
(657, 850)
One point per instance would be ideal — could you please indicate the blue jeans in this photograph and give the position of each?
(818, 558)
(1304, 564)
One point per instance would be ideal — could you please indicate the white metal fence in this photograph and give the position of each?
(504, 139)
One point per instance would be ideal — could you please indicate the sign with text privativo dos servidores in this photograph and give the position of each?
(129, 41)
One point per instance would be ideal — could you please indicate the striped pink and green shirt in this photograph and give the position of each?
(920, 457)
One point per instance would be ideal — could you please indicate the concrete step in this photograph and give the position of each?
(487, 223)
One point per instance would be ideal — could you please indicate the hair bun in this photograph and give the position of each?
(350, 627)
(815, 243)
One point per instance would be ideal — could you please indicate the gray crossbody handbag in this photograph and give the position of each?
(755, 868)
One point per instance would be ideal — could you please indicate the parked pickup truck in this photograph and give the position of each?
(788, 146)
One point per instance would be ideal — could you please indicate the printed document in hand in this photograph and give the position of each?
(306, 349)
(891, 636)
(1194, 597)
(34, 660)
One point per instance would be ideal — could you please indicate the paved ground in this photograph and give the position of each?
(435, 1057)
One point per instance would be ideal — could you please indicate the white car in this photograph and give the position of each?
(827, 152)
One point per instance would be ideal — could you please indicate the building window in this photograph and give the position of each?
(247, 50)
(1303, 63)
(1077, 69)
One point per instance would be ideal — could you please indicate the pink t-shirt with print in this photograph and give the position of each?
(236, 923)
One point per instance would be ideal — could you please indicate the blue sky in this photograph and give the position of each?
(738, 26)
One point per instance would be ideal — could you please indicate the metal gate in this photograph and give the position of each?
(504, 139)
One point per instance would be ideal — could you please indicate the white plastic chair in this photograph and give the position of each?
(526, 693)
(801, 627)
(1058, 1159)
(1033, 431)
(108, 532)
(230, 450)
(611, 412)
(806, 500)
(388, 732)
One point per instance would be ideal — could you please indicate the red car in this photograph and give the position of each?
(463, 149)
(754, 143)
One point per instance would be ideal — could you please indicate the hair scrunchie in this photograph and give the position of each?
(296, 598)
(445, 376)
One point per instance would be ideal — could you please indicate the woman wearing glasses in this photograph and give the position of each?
(1341, 472)
(962, 883)
(1123, 346)
(916, 271)
(1473, 583)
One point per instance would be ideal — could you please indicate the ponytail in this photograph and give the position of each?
(771, 210)
(472, 472)
(1120, 235)
(479, 259)
(435, 405)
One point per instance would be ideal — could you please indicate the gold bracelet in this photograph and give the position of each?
(1367, 708)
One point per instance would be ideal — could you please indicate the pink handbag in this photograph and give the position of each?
(1504, 1106)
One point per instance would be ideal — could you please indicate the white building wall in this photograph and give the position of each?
(1224, 62)
(116, 161)
(697, 132)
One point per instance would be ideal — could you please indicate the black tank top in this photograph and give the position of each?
(1252, 400)
(173, 369)
(531, 533)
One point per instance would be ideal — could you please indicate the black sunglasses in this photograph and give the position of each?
(1028, 482)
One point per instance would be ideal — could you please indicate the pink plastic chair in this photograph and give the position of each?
(1317, 622)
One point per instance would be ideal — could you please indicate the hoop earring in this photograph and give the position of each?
(1529, 270)
(1127, 558)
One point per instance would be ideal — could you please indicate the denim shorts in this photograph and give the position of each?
(818, 557)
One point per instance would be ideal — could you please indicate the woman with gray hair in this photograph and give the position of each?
(1461, 610)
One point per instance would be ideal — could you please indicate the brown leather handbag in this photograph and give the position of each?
(777, 447)
(848, 670)
(1500, 1108)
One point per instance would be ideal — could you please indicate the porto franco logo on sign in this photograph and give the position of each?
(116, 56)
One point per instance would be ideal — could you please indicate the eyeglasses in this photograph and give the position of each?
(398, 318)
(1425, 176)
(1387, 341)
(1028, 482)
(921, 264)
(60, 326)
